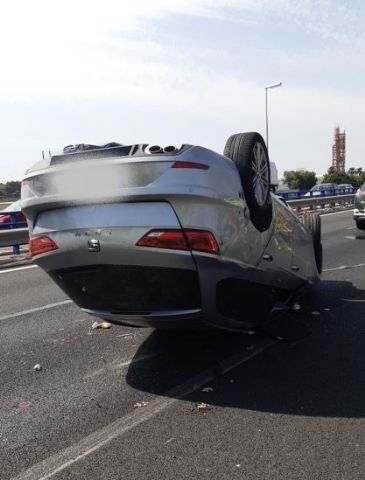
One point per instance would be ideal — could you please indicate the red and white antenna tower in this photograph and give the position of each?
(339, 150)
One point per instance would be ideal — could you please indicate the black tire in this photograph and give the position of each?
(313, 223)
(360, 225)
(249, 153)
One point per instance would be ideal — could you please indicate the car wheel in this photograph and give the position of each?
(313, 224)
(360, 225)
(249, 153)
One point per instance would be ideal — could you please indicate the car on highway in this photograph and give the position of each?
(170, 237)
(12, 213)
(345, 186)
(359, 210)
(325, 189)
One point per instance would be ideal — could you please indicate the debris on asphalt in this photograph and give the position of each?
(126, 335)
(316, 313)
(25, 404)
(327, 309)
(141, 404)
(238, 465)
(37, 367)
(296, 307)
(104, 324)
(202, 407)
(207, 389)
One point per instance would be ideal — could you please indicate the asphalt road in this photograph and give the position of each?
(291, 409)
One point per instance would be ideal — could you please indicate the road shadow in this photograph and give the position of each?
(321, 373)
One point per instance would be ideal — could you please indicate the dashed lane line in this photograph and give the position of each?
(17, 269)
(336, 213)
(343, 267)
(36, 309)
(119, 365)
(98, 439)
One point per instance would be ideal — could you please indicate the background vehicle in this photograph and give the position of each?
(6, 218)
(359, 210)
(345, 186)
(170, 237)
(322, 189)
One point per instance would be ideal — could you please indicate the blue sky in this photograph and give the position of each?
(181, 72)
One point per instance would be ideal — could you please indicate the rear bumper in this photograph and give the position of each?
(130, 290)
(159, 319)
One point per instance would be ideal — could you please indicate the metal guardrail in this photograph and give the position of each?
(320, 202)
(14, 237)
(299, 194)
(13, 233)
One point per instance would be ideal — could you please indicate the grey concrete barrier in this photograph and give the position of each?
(14, 236)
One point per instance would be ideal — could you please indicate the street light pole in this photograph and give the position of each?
(275, 85)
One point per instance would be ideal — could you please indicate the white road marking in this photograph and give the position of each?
(96, 440)
(37, 309)
(336, 213)
(354, 300)
(343, 267)
(17, 269)
(350, 237)
(118, 365)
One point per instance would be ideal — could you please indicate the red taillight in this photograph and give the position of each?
(181, 240)
(41, 245)
(191, 165)
(202, 241)
(174, 240)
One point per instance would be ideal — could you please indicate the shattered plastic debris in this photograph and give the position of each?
(37, 367)
(207, 389)
(202, 407)
(101, 325)
(141, 404)
(25, 404)
(126, 335)
(296, 307)
(238, 465)
(315, 313)
(327, 309)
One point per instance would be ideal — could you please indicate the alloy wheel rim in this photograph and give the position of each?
(260, 178)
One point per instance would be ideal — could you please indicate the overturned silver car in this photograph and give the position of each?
(169, 237)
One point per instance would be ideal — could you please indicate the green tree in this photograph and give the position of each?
(12, 189)
(340, 177)
(301, 179)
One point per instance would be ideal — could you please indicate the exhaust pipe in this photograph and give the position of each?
(155, 149)
(170, 149)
